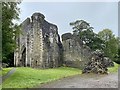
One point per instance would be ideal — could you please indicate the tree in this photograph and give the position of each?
(105, 40)
(91, 39)
(117, 56)
(10, 12)
(80, 25)
(86, 34)
(111, 43)
(106, 34)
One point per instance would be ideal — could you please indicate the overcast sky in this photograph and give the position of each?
(100, 15)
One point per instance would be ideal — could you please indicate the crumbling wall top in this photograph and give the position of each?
(66, 36)
(25, 23)
(37, 16)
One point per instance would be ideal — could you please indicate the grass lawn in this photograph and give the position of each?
(25, 77)
(114, 69)
(0, 72)
(4, 71)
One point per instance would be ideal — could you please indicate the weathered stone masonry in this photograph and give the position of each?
(75, 53)
(39, 44)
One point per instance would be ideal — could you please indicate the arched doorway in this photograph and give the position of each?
(23, 58)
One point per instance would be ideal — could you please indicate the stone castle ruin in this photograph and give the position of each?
(75, 54)
(39, 46)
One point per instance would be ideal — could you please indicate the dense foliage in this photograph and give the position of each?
(86, 34)
(105, 40)
(10, 12)
(111, 43)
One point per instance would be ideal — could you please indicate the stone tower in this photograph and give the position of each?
(39, 44)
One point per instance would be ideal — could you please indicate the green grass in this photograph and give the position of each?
(25, 77)
(4, 71)
(113, 69)
(28, 77)
(0, 72)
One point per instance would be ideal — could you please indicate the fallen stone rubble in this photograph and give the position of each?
(98, 63)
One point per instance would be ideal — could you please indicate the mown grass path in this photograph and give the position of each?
(8, 74)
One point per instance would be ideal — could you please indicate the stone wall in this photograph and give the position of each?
(75, 54)
(39, 44)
